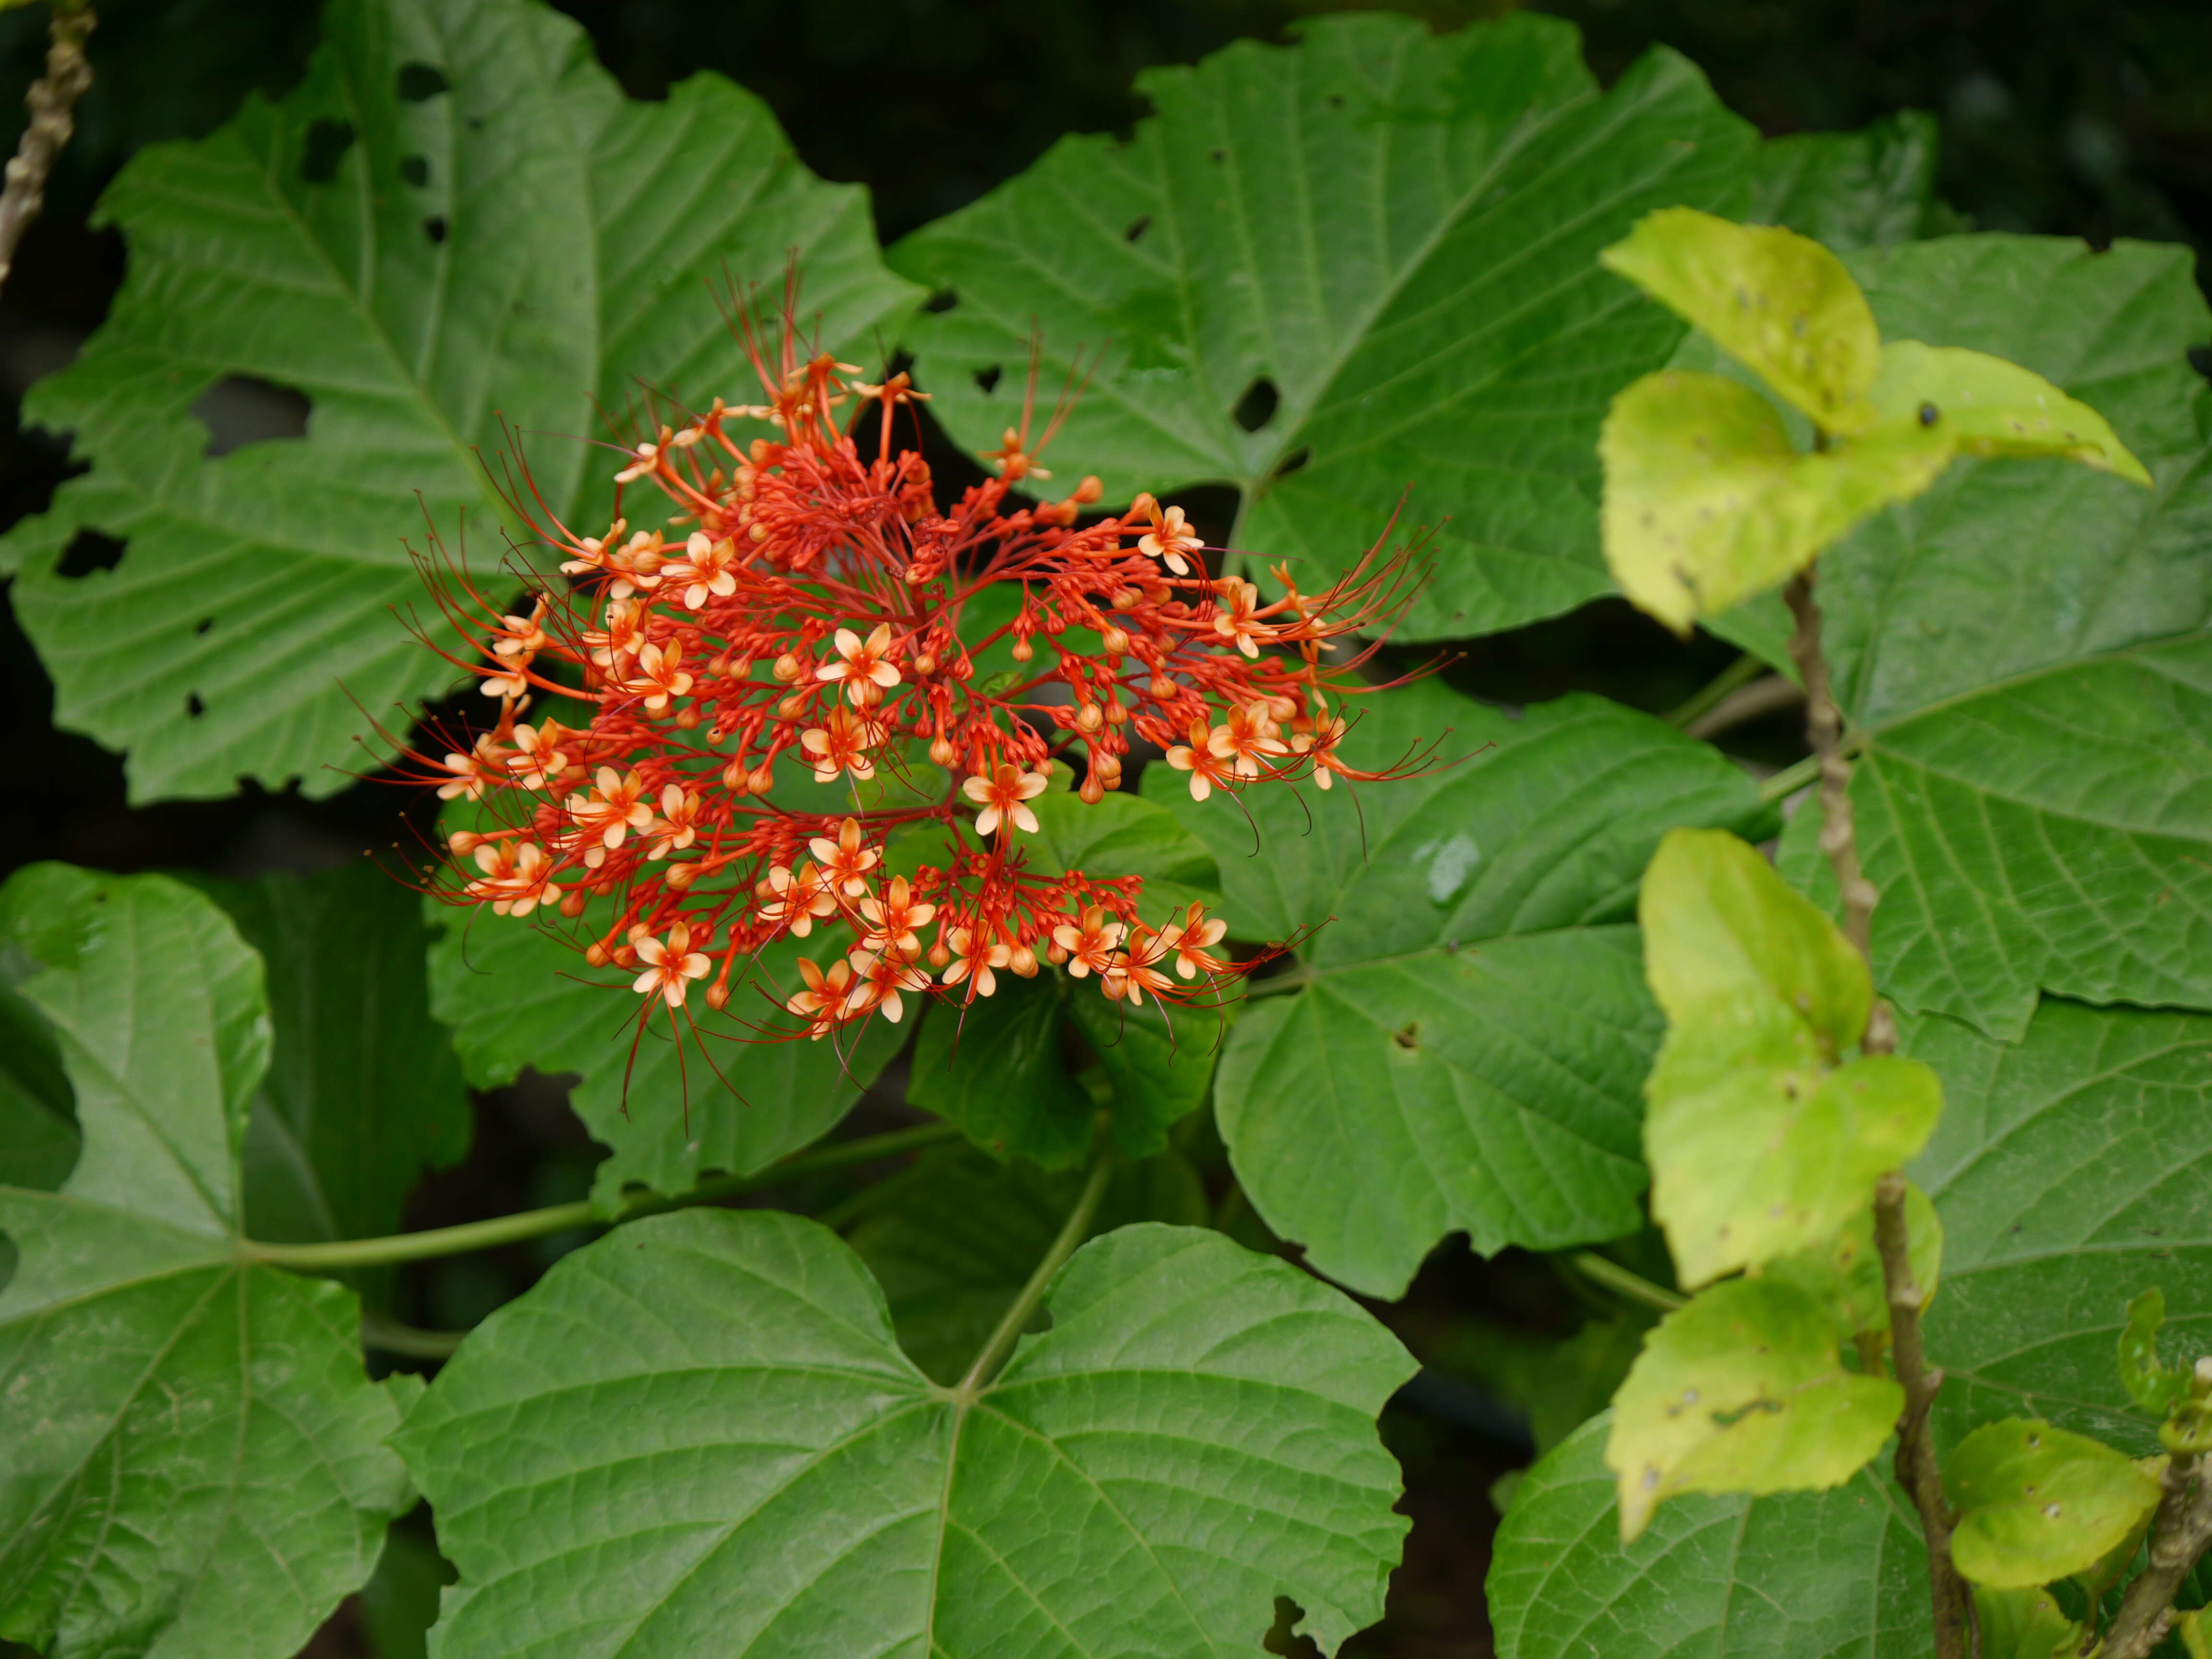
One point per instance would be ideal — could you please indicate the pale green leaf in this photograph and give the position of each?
(563, 246)
(1778, 302)
(1743, 1391)
(199, 1470)
(1707, 504)
(2152, 1384)
(2024, 1624)
(1395, 233)
(1761, 1144)
(1844, 1274)
(2025, 654)
(2036, 1504)
(2069, 1171)
(733, 1099)
(1988, 406)
(1467, 1038)
(363, 1090)
(745, 1462)
(1831, 1575)
(955, 1237)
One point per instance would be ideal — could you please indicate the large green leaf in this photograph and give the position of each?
(1853, 189)
(2026, 654)
(195, 1461)
(727, 1451)
(1468, 1041)
(516, 245)
(996, 1068)
(363, 1090)
(1378, 247)
(732, 1098)
(1833, 1575)
(2069, 1171)
(952, 1239)
(38, 1111)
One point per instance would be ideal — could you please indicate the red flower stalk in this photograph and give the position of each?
(803, 610)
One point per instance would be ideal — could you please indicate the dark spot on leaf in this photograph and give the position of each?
(941, 302)
(1291, 462)
(243, 409)
(434, 227)
(204, 624)
(416, 170)
(1284, 1638)
(1929, 414)
(88, 552)
(1143, 223)
(193, 706)
(1410, 1037)
(1336, 100)
(1258, 405)
(418, 82)
(986, 379)
(325, 145)
(1221, 156)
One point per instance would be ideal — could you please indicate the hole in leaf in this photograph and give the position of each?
(193, 706)
(941, 302)
(434, 227)
(1291, 462)
(986, 379)
(418, 82)
(88, 552)
(416, 170)
(1283, 1637)
(202, 624)
(1258, 405)
(239, 409)
(325, 145)
(1143, 223)
(2200, 359)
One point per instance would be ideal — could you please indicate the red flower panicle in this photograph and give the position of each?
(796, 608)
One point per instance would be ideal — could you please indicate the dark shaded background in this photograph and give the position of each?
(2075, 117)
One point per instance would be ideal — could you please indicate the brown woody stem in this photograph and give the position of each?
(52, 103)
(1916, 1470)
(2178, 1539)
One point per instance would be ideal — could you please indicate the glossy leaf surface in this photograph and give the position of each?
(2036, 1504)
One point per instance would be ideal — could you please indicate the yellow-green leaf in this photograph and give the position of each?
(1742, 1391)
(1761, 1144)
(2152, 1383)
(2023, 1624)
(1778, 302)
(2036, 1502)
(1988, 406)
(1706, 503)
(1843, 1274)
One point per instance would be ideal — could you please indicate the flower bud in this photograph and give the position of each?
(1024, 961)
(596, 954)
(1087, 717)
(736, 779)
(1024, 650)
(941, 751)
(1116, 714)
(681, 876)
(687, 718)
(925, 664)
(789, 668)
(792, 706)
(1093, 790)
(1116, 642)
(572, 902)
(763, 778)
(718, 995)
(464, 842)
(1127, 599)
(1055, 953)
(939, 956)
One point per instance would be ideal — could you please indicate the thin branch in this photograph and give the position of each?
(390, 1336)
(1603, 1270)
(560, 1218)
(1745, 704)
(1073, 1232)
(1916, 1470)
(52, 103)
(1745, 667)
(2179, 1538)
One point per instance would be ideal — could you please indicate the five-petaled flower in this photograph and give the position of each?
(671, 968)
(1005, 797)
(863, 665)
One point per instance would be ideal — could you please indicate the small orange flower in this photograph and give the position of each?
(1004, 797)
(1136, 970)
(970, 963)
(863, 665)
(671, 968)
(1206, 768)
(1089, 947)
(1191, 940)
(1170, 541)
(797, 899)
(822, 1003)
(846, 860)
(615, 806)
(1234, 616)
(659, 676)
(879, 976)
(678, 825)
(517, 877)
(1248, 734)
(842, 745)
(706, 569)
(892, 919)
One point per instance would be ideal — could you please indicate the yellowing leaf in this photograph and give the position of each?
(1778, 302)
(1707, 504)
(2023, 1624)
(1742, 1391)
(2036, 1502)
(1761, 1144)
(1843, 1274)
(1988, 406)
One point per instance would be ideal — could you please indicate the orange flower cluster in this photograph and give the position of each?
(805, 614)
